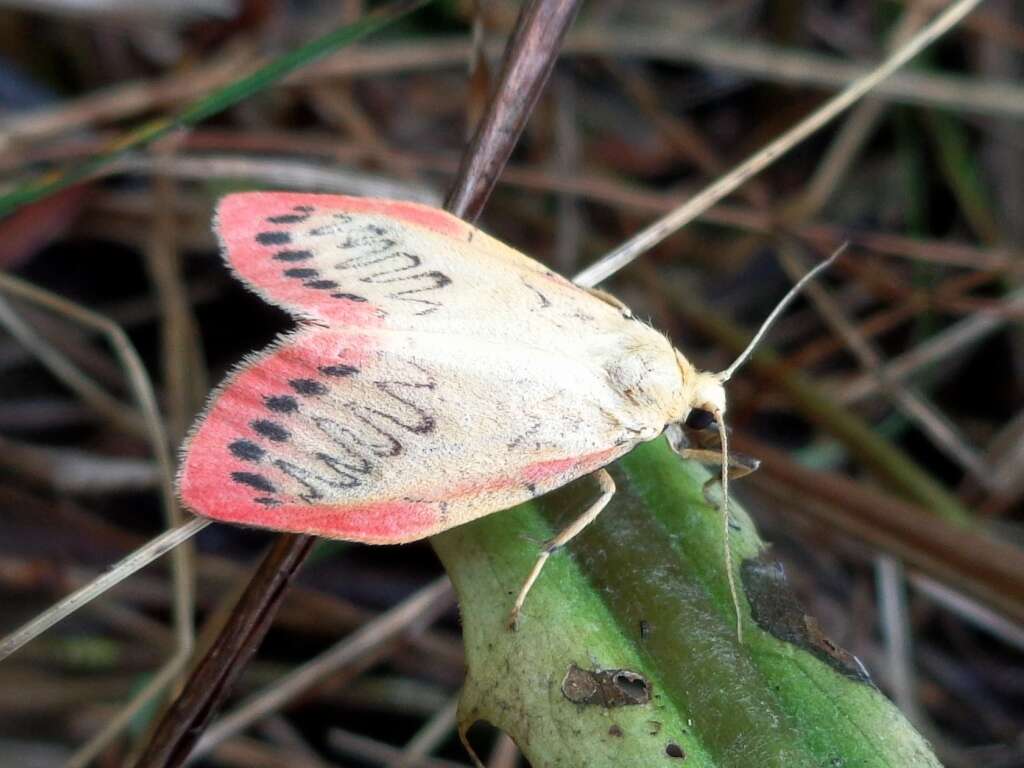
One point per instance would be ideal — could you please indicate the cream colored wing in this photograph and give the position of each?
(389, 436)
(359, 262)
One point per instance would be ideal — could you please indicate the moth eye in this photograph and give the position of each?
(700, 419)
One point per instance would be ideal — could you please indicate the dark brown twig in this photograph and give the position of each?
(211, 681)
(530, 56)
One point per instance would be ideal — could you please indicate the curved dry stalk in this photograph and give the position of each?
(181, 355)
(281, 172)
(137, 560)
(69, 374)
(142, 390)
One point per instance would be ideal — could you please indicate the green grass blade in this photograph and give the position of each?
(217, 101)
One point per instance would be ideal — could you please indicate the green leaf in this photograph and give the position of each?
(643, 589)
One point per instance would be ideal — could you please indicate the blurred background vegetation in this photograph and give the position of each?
(900, 381)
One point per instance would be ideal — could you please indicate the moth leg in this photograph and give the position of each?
(607, 298)
(740, 465)
(562, 538)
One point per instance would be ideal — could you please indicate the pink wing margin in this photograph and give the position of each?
(263, 243)
(224, 474)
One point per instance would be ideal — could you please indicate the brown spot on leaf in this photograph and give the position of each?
(674, 750)
(615, 730)
(605, 687)
(775, 609)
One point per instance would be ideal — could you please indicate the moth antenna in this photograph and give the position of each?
(770, 320)
(723, 437)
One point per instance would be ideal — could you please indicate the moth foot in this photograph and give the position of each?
(513, 620)
(708, 490)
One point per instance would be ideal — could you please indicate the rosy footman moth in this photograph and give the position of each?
(436, 376)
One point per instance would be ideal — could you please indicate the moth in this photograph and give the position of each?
(436, 375)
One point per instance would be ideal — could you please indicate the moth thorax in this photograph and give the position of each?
(647, 377)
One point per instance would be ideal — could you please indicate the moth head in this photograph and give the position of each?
(707, 399)
(702, 396)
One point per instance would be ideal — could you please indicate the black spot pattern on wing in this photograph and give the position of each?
(338, 370)
(281, 403)
(301, 213)
(273, 238)
(308, 387)
(246, 450)
(354, 441)
(253, 480)
(271, 430)
(355, 252)
(293, 255)
(333, 253)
